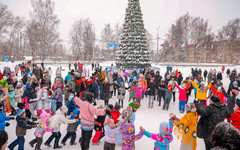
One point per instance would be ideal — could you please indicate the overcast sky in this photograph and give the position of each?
(156, 13)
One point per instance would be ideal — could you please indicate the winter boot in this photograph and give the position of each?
(152, 105)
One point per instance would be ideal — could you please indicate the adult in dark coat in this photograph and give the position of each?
(158, 78)
(161, 93)
(205, 75)
(228, 72)
(180, 78)
(219, 76)
(213, 114)
(232, 76)
(115, 76)
(106, 92)
(93, 88)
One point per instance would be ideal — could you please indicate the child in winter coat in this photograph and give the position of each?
(139, 91)
(186, 128)
(98, 127)
(106, 92)
(182, 96)
(45, 101)
(72, 128)
(121, 93)
(3, 118)
(11, 96)
(152, 88)
(41, 129)
(87, 118)
(18, 95)
(235, 117)
(115, 113)
(34, 102)
(66, 93)
(70, 103)
(110, 134)
(163, 138)
(22, 125)
(168, 96)
(58, 96)
(55, 123)
(128, 131)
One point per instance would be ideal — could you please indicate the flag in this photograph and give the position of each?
(176, 45)
(162, 44)
(217, 46)
(46, 43)
(190, 45)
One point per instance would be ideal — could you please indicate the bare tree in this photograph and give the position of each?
(186, 30)
(106, 39)
(42, 28)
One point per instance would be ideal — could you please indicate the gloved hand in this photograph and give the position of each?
(172, 116)
(12, 118)
(7, 124)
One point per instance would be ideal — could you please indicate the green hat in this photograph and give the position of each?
(4, 83)
(135, 105)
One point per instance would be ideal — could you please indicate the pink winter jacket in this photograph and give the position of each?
(182, 92)
(138, 91)
(87, 113)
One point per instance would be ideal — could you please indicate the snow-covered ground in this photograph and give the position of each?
(148, 118)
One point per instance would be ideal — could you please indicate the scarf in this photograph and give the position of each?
(186, 129)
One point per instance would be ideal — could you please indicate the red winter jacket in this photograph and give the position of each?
(219, 94)
(235, 118)
(115, 115)
(1, 76)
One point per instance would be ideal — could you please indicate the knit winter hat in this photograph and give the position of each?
(117, 106)
(109, 121)
(152, 79)
(3, 138)
(64, 109)
(75, 112)
(12, 75)
(110, 106)
(44, 116)
(20, 112)
(235, 83)
(215, 99)
(19, 84)
(163, 128)
(4, 83)
(134, 105)
(191, 107)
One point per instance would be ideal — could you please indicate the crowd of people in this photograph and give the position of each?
(34, 101)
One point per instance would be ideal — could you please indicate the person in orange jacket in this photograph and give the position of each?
(218, 93)
(143, 82)
(223, 68)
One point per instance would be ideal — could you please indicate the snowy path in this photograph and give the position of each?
(148, 118)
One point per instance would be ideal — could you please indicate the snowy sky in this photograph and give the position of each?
(156, 13)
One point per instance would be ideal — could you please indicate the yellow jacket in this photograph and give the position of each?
(201, 93)
(103, 75)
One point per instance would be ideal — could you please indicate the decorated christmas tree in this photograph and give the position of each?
(133, 50)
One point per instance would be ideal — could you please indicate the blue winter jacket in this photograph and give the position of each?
(3, 118)
(131, 79)
(119, 81)
(67, 78)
